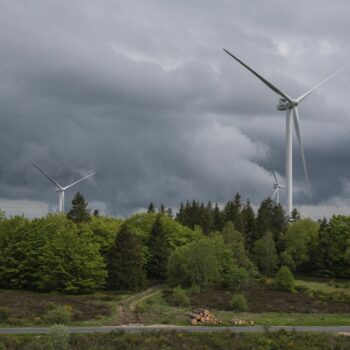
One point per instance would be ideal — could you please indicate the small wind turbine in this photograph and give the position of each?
(289, 105)
(277, 186)
(60, 189)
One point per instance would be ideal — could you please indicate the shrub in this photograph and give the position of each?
(59, 314)
(239, 302)
(57, 338)
(4, 314)
(284, 279)
(180, 297)
(195, 289)
(287, 260)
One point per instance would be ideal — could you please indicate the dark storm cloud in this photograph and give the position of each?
(142, 93)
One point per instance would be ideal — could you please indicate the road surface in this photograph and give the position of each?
(158, 328)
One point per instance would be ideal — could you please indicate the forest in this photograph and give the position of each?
(200, 246)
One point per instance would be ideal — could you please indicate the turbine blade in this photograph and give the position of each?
(297, 131)
(267, 83)
(274, 193)
(273, 170)
(76, 182)
(50, 178)
(303, 97)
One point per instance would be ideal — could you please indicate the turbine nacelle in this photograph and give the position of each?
(284, 104)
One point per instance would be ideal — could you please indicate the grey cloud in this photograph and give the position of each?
(143, 94)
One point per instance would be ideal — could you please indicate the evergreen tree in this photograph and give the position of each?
(169, 212)
(232, 212)
(151, 208)
(162, 209)
(217, 218)
(159, 251)
(271, 217)
(295, 215)
(79, 212)
(249, 229)
(125, 262)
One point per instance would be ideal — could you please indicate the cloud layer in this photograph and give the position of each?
(142, 93)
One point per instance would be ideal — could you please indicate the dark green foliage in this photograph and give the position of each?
(232, 212)
(125, 262)
(329, 254)
(239, 303)
(151, 208)
(271, 217)
(284, 279)
(79, 211)
(265, 254)
(295, 215)
(159, 250)
(249, 228)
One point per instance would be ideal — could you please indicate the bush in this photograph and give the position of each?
(284, 279)
(57, 338)
(195, 289)
(180, 297)
(239, 302)
(4, 314)
(58, 314)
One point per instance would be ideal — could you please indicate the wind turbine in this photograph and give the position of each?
(60, 189)
(277, 186)
(289, 105)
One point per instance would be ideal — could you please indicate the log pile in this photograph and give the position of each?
(202, 316)
(238, 322)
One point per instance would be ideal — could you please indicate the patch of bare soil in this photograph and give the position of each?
(266, 299)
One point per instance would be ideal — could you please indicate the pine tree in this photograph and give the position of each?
(162, 209)
(295, 215)
(249, 229)
(79, 211)
(159, 251)
(169, 212)
(232, 212)
(217, 218)
(151, 208)
(125, 262)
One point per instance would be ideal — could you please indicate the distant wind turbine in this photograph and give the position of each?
(277, 186)
(60, 189)
(289, 105)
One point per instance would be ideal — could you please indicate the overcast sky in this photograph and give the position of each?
(142, 93)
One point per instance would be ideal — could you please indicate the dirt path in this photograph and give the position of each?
(126, 309)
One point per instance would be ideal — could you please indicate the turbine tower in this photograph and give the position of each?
(277, 186)
(60, 189)
(289, 105)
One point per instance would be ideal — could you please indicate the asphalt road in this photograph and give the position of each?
(139, 329)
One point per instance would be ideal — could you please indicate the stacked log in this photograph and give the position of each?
(238, 322)
(203, 316)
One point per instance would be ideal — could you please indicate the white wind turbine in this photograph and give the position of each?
(60, 189)
(289, 105)
(277, 186)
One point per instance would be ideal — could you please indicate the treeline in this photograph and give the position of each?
(203, 245)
